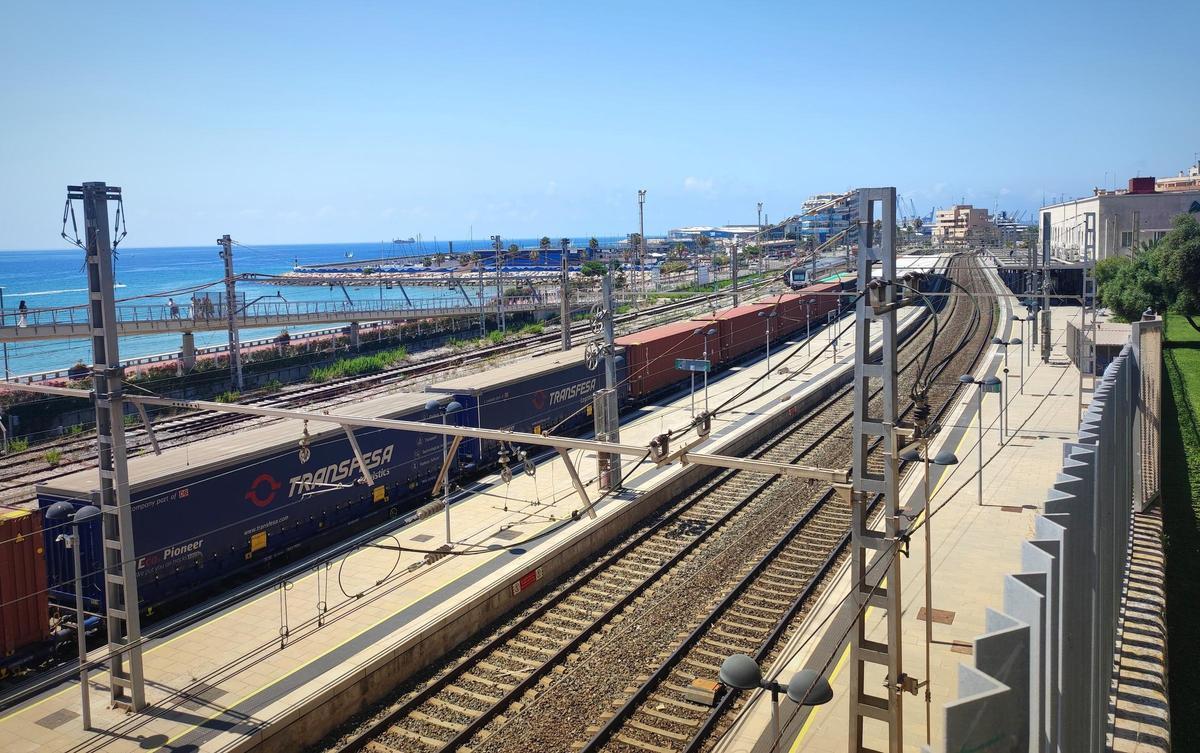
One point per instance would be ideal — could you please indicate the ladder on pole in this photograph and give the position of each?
(875, 561)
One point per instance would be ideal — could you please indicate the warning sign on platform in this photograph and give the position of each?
(527, 580)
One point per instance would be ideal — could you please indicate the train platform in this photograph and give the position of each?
(277, 671)
(975, 543)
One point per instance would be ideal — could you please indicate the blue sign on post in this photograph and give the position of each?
(692, 364)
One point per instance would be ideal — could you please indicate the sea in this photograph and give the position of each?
(56, 278)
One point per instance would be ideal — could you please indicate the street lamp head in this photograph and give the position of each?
(912, 455)
(998, 341)
(86, 513)
(453, 406)
(60, 512)
(432, 404)
(741, 672)
(808, 688)
(991, 381)
(945, 457)
(1016, 341)
(966, 379)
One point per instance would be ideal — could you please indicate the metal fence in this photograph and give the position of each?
(1043, 671)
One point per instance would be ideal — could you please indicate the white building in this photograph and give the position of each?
(1123, 219)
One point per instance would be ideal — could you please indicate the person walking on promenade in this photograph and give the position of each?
(173, 307)
(22, 313)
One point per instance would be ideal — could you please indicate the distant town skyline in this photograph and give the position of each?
(309, 123)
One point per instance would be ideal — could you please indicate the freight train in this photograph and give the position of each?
(221, 509)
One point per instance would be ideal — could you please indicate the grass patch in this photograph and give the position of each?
(1179, 332)
(20, 444)
(230, 396)
(1181, 528)
(359, 365)
(53, 457)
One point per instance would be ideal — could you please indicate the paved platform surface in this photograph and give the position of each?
(974, 545)
(216, 685)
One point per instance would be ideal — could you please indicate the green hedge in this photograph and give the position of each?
(1181, 528)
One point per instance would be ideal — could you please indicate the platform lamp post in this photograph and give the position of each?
(768, 315)
(991, 383)
(709, 332)
(1022, 320)
(944, 458)
(452, 407)
(1004, 382)
(807, 687)
(60, 513)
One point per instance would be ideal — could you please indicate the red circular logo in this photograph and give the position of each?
(539, 399)
(262, 491)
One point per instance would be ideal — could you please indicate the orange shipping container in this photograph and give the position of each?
(24, 603)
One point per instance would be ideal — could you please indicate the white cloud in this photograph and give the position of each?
(697, 185)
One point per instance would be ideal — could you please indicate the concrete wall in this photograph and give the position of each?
(1042, 673)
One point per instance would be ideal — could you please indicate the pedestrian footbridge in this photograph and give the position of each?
(151, 319)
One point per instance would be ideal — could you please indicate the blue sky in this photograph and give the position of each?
(319, 122)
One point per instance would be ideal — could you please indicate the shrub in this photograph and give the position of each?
(230, 396)
(75, 430)
(359, 365)
(532, 329)
(53, 457)
(272, 386)
(495, 337)
(20, 444)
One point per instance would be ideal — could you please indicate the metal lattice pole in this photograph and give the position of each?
(235, 343)
(564, 303)
(126, 684)
(883, 568)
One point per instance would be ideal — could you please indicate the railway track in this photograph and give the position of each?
(21, 471)
(703, 538)
(791, 572)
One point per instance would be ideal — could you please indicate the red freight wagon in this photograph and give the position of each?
(24, 600)
(650, 355)
(790, 314)
(826, 296)
(742, 330)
